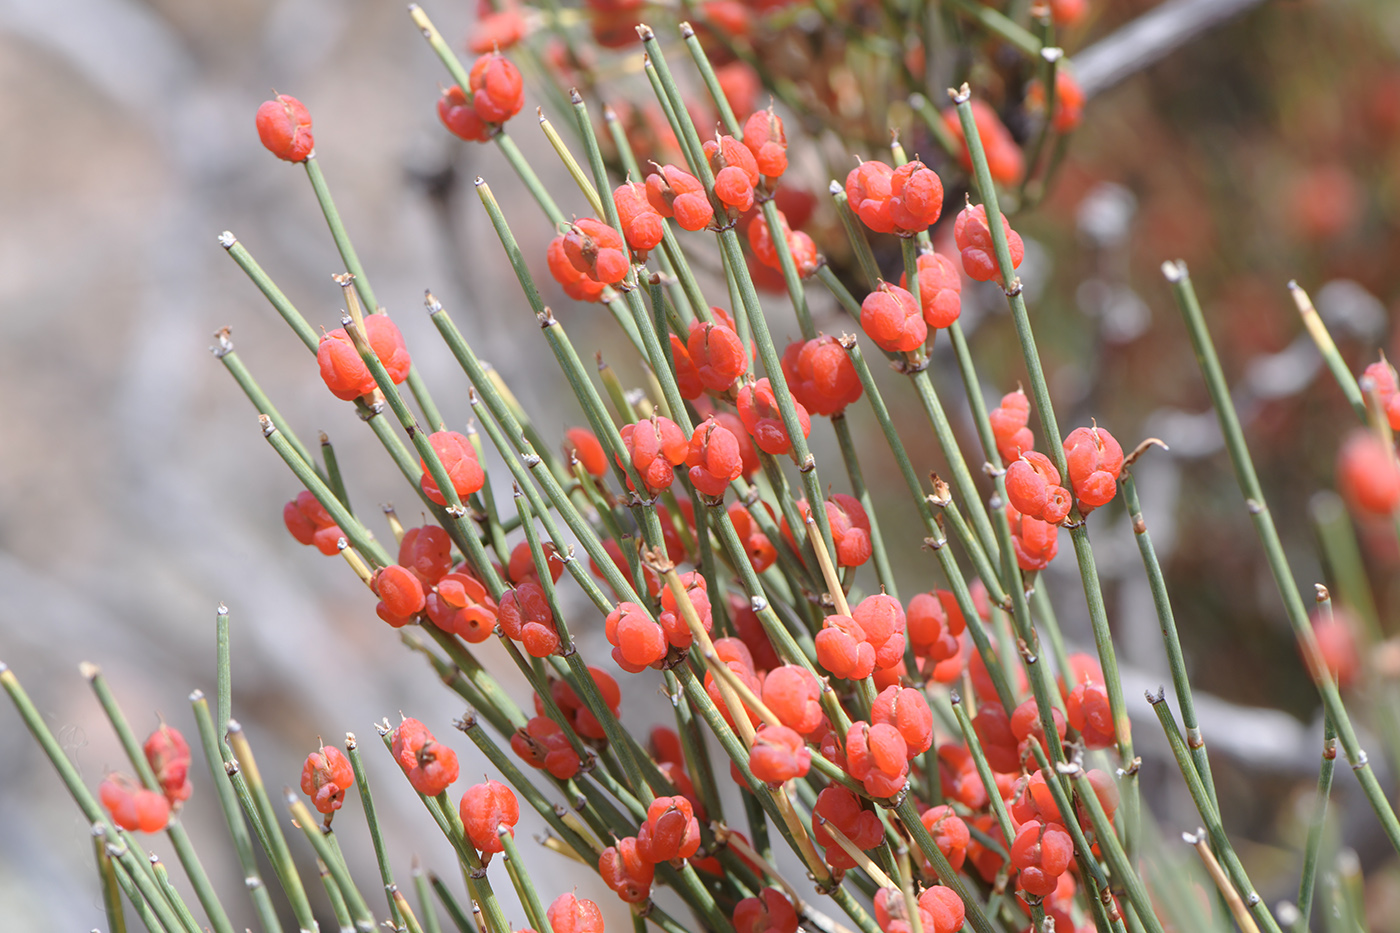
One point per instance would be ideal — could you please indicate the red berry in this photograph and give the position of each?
(525, 617)
(497, 88)
(765, 138)
(908, 711)
(1033, 488)
(934, 624)
(758, 409)
(576, 285)
(385, 339)
(485, 808)
(949, 832)
(497, 30)
(1382, 376)
(842, 809)
(570, 914)
(868, 192)
(736, 172)
(1043, 852)
(637, 641)
(1035, 541)
(430, 767)
(843, 650)
(626, 871)
(944, 908)
(1068, 12)
(342, 369)
(400, 594)
(1337, 644)
(459, 605)
(460, 117)
(1027, 727)
(168, 754)
(583, 446)
(779, 754)
(1094, 460)
(940, 289)
(793, 694)
(718, 355)
(850, 529)
(641, 223)
(974, 239)
(891, 318)
(597, 251)
(958, 777)
(131, 806)
(427, 551)
(458, 458)
(1088, 713)
(656, 445)
(916, 197)
(310, 523)
(671, 831)
(1009, 426)
(770, 911)
(714, 459)
(1368, 474)
(878, 757)
(761, 551)
(1069, 101)
(673, 621)
(543, 745)
(284, 126)
(820, 375)
(325, 777)
(1004, 158)
(676, 193)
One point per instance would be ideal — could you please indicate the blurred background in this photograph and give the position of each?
(136, 492)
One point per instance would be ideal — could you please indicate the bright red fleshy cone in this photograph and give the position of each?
(484, 809)
(713, 459)
(1009, 420)
(400, 593)
(284, 126)
(679, 194)
(974, 239)
(498, 90)
(765, 138)
(596, 250)
(544, 746)
(769, 912)
(890, 317)
(1033, 488)
(671, 831)
(642, 224)
(325, 777)
(626, 871)
(458, 458)
(459, 605)
(1005, 161)
(132, 807)
(1368, 475)
(821, 376)
(525, 616)
(309, 522)
(758, 409)
(168, 754)
(430, 767)
(656, 447)
(571, 914)
(940, 289)
(1094, 459)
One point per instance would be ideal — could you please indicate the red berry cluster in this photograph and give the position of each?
(974, 239)
(346, 374)
(940, 289)
(904, 200)
(820, 375)
(309, 522)
(497, 94)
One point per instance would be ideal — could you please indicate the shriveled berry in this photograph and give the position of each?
(842, 649)
(484, 809)
(868, 193)
(571, 914)
(576, 284)
(284, 126)
(522, 563)
(1042, 851)
(761, 551)
(1035, 542)
(758, 409)
(916, 197)
(736, 172)
(325, 777)
(342, 369)
(878, 757)
(718, 354)
(766, 139)
(671, 831)
(1089, 714)
(944, 908)
(626, 871)
(656, 446)
(793, 694)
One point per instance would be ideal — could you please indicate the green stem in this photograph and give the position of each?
(333, 477)
(327, 852)
(1313, 849)
(111, 889)
(454, 910)
(998, 24)
(381, 854)
(1123, 870)
(529, 896)
(427, 912)
(225, 354)
(1273, 547)
(976, 914)
(269, 288)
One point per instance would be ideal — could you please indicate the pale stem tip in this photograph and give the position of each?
(575, 97)
(835, 187)
(1052, 54)
(233, 727)
(1322, 593)
(89, 671)
(350, 743)
(196, 696)
(961, 95)
(644, 31)
(227, 240)
(268, 428)
(687, 31)
(1174, 270)
(222, 610)
(479, 181)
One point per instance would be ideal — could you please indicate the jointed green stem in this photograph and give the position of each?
(381, 855)
(329, 853)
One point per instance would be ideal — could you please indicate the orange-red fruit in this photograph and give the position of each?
(583, 446)
(284, 126)
(916, 197)
(1009, 421)
(850, 529)
(460, 117)
(671, 831)
(908, 711)
(842, 809)
(736, 172)
(672, 619)
(522, 563)
(325, 777)
(1337, 644)
(656, 446)
(878, 757)
(133, 807)
(309, 522)
(497, 30)
(400, 594)
(1035, 542)
(346, 374)
(168, 754)
(934, 623)
(431, 768)
(769, 912)
(944, 907)
(843, 650)
(713, 458)
(576, 284)
(543, 745)
(596, 250)
(718, 354)
(427, 552)
(641, 223)
(1094, 460)
(459, 605)
(1033, 488)
(570, 914)
(974, 240)
(1368, 474)
(626, 871)
(820, 375)
(637, 641)
(458, 458)
(881, 617)
(940, 289)
(525, 616)
(676, 193)
(779, 754)
(793, 694)
(1069, 101)
(758, 409)
(498, 90)
(949, 832)
(484, 809)
(765, 138)
(1088, 713)
(1382, 377)
(891, 318)
(868, 193)
(1043, 852)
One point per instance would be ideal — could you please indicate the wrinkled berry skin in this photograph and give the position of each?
(430, 767)
(284, 126)
(325, 777)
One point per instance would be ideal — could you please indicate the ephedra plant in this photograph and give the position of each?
(935, 760)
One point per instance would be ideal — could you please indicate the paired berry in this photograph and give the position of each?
(717, 352)
(543, 745)
(427, 552)
(626, 871)
(843, 810)
(458, 458)
(974, 240)
(346, 374)
(940, 289)
(525, 616)
(1043, 852)
(656, 446)
(765, 138)
(1009, 421)
(671, 831)
(1035, 542)
(459, 605)
(820, 375)
(805, 257)
(1094, 460)
(907, 710)
(571, 914)
(400, 594)
(758, 410)
(949, 832)
(1005, 161)
(770, 911)
(878, 757)
(168, 754)
(1368, 474)
(934, 623)
(575, 283)
(582, 445)
(638, 642)
(597, 251)
(1033, 488)
(484, 809)
(132, 807)
(431, 768)
(679, 194)
(890, 317)
(309, 522)
(714, 458)
(1069, 101)
(779, 754)
(642, 224)
(736, 172)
